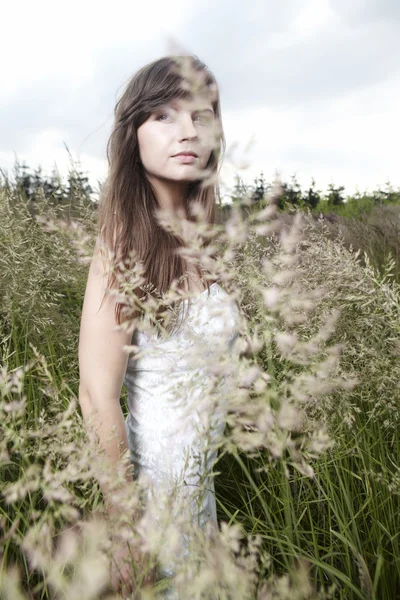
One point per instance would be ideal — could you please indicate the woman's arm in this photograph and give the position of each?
(102, 364)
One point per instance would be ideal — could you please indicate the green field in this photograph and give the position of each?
(308, 477)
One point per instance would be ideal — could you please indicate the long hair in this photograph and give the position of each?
(126, 215)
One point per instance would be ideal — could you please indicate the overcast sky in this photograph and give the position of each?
(312, 85)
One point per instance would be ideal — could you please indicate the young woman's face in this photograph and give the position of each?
(179, 126)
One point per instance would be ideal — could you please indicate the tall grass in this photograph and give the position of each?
(308, 476)
(374, 232)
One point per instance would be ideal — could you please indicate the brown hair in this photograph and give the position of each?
(126, 215)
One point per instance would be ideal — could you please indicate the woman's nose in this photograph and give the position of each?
(186, 128)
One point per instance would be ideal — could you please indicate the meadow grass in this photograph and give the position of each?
(308, 477)
(375, 232)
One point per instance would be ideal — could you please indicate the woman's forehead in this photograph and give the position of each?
(195, 103)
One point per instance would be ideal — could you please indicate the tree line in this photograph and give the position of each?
(292, 195)
(30, 184)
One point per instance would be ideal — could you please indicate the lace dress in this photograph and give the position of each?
(177, 400)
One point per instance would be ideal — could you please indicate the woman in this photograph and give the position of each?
(163, 154)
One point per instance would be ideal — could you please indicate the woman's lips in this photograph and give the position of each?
(185, 158)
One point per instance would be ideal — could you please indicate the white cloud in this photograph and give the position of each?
(315, 82)
(312, 17)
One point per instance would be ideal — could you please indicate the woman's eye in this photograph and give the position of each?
(159, 118)
(206, 119)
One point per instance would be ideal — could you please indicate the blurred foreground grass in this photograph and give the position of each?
(329, 532)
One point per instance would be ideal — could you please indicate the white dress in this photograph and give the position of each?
(177, 409)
